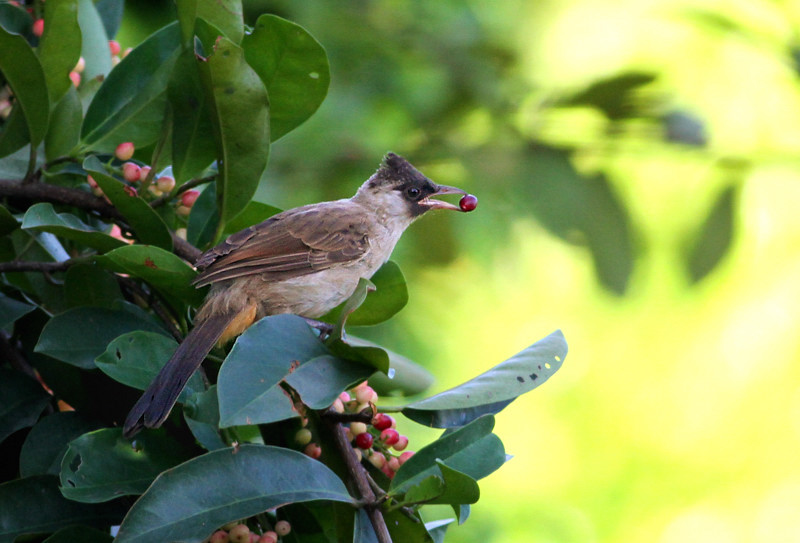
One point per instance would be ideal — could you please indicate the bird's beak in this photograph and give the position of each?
(440, 204)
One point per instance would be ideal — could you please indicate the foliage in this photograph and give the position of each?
(96, 285)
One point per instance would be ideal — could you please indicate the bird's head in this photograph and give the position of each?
(399, 189)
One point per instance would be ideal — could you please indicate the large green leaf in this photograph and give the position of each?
(266, 353)
(187, 502)
(23, 72)
(164, 270)
(11, 310)
(34, 505)
(201, 412)
(15, 19)
(146, 223)
(226, 15)
(240, 114)
(22, 400)
(320, 380)
(407, 377)
(472, 450)
(43, 218)
(389, 297)
(193, 146)
(102, 465)
(67, 115)
(448, 486)
(80, 335)
(46, 443)
(491, 391)
(135, 358)
(94, 44)
(60, 46)
(110, 12)
(130, 104)
(89, 284)
(714, 238)
(294, 68)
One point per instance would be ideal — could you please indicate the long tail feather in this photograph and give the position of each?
(154, 406)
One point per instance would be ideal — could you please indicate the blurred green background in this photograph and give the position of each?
(638, 173)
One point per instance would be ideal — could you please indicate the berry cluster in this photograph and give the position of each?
(134, 174)
(236, 532)
(373, 442)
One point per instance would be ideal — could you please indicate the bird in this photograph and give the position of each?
(304, 261)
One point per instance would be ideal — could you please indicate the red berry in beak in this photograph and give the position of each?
(468, 202)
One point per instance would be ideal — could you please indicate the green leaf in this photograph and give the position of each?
(714, 239)
(11, 310)
(103, 465)
(94, 44)
(405, 527)
(189, 501)
(491, 391)
(164, 270)
(472, 450)
(249, 381)
(22, 400)
(437, 529)
(23, 72)
(110, 12)
(389, 297)
(135, 358)
(67, 115)
(60, 46)
(294, 68)
(7, 222)
(34, 505)
(15, 19)
(407, 377)
(84, 534)
(89, 285)
(226, 15)
(80, 335)
(146, 223)
(448, 486)
(201, 412)
(203, 220)
(43, 218)
(46, 443)
(240, 114)
(130, 104)
(193, 146)
(15, 137)
(320, 380)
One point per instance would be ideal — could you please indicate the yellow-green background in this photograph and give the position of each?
(676, 416)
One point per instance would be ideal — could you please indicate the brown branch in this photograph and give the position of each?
(361, 479)
(33, 266)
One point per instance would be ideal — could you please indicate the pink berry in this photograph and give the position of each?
(75, 77)
(402, 443)
(240, 534)
(377, 459)
(166, 183)
(130, 191)
(364, 441)
(38, 27)
(393, 463)
(283, 528)
(189, 197)
(220, 536)
(468, 202)
(268, 537)
(145, 172)
(405, 456)
(382, 421)
(181, 211)
(390, 436)
(313, 450)
(366, 394)
(357, 428)
(345, 397)
(80, 66)
(124, 151)
(91, 181)
(113, 46)
(131, 172)
(388, 471)
(127, 52)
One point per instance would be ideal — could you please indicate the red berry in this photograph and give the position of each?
(468, 202)
(282, 528)
(124, 151)
(268, 537)
(390, 436)
(131, 172)
(405, 456)
(75, 77)
(382, 421)
(313, 450)
(393, 463)
(91, 181)
(402, 443)
(364, 441)
(388, 471)
(114, 47)
(38, 27)
(240, 534)
(220, 536)
(189, 197)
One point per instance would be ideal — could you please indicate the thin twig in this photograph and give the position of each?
(161, 200)
(43, 267)
(359, 476)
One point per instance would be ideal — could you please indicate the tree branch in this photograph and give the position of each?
(360, 477)
(43, 267)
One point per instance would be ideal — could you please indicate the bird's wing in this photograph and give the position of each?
(293, 243)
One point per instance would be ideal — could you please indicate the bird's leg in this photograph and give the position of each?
(324, 328)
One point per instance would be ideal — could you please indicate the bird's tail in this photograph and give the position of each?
(154, 406)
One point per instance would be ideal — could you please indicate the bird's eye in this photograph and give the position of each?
(413, 193)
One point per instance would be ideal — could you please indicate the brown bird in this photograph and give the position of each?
(304, 261)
